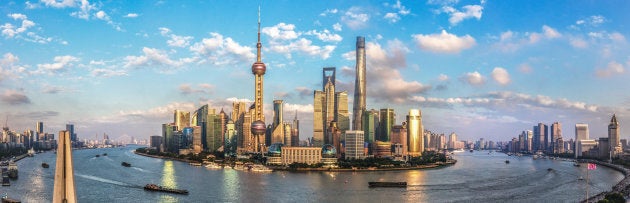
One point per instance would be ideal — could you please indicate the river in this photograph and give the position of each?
(480, 176)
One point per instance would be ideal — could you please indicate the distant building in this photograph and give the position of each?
(584, 146)
(354, 145)
(307, 155)
(329, 106)
(295, 132)
(156, 142)
(182, 119)
(556, 133)
(387, 118)
(399, 136)
(359, 106)
(604, 148)
(230, 139)
(581, 133)
(613, 137)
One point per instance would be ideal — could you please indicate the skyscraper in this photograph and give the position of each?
(295, 131)
(613, 136)
(415, 131)
(541, 137)
(70, 129)
(370, 126)
(277, 127)
(387, 118)
(182, 119)
(329, 106)
(581, 133)
(358, 106)
(328, 72)
(556, 133)
(258, 69)
(354, 145)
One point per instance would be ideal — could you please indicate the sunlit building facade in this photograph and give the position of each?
(415, 130)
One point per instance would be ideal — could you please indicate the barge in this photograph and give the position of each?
(387, 184)
(154, 187)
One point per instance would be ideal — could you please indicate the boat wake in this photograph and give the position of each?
(103, 180)
(141, 170)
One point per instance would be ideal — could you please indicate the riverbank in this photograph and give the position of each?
(162, 157)
(622, 187)
(428, 166)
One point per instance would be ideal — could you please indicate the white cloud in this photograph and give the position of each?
(401, 9)
(220, 50)
(468, 11)
(155, 58)
(474, 78)
(594, 21)
(512, 41)
(613, 68)
(392, 17)
(337, 27)
(387, 83)
(131, 15)
(85, 9)
(578, 42)
(281, 31)
(106, 73)
(443, 77)
(329, 11)
(203, 88)
(444, 42)
(550, 33)
(175, 40)
(10, 31)
(325, 35)
(355, 18)
(500, 75)
(59, 4)
(61, 63)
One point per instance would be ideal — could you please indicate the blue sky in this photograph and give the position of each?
(478, 68)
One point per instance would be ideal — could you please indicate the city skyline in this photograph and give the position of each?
(122, 69)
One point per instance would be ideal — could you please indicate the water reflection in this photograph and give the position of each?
(168, 180)
(230, 184)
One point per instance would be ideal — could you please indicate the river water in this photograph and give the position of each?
(480, 176)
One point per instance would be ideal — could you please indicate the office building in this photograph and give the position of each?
(70, 129)
(415, 133)
(581, 133)
(277, 128)
(182, 119)
(387, 118)
(329, 106)
(295, 131)
(354, 144)
(370, 125)
(231, 143)
(555, 134)
(399, 136)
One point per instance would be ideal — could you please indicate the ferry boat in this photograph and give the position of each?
(154, 187)
(13, 170)
(387, 184)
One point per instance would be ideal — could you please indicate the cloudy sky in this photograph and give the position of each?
(486, 69)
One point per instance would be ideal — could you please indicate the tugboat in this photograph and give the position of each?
(13, 170)
(387, 184)
(154, 187)
(125, 164)
(45, 165)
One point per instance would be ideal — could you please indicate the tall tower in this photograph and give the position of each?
(64, 190)
(295, 131)
(415, 133)
(258, 69)
(613, 136)
(359, 86)
(556, 133)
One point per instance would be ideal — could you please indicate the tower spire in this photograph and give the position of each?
(258, 45)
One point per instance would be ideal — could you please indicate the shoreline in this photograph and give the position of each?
(421, 167)
(621, 187)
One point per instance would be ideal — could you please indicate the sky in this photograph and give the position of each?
(482, 69)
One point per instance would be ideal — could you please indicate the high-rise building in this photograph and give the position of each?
(329, 106)
(295, 132)
(182, 119)
(156, 142)
(359, 104)
(70, 129)
(370, 125)
(452, 139)
(415, 131)
(399, 136)
(328, 74)
(581, 133)
(556, 133)
(387, 118)
(277, 127)
(230, 139)
(258, 116)
(613, 137)
(224, 119)
(238, 117)
(354, 144)
(541, 137)
(530, 137)
(197, 146)
(287, 134)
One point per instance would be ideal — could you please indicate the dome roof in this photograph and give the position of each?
(259, 68)
(329, 151)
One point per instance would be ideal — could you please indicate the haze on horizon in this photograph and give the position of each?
(483, 69)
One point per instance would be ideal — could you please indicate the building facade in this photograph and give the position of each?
(415, 133)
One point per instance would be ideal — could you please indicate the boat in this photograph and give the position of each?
(581, 178)
(6, 199)
(125, 164)
(507, 161)
(471, 150)
(13, 170)
(154, 187)
(195, 164)
(550, 169)
(45, 165)
(387, 184)
(260, 168)
(98, 155)
(104, 154)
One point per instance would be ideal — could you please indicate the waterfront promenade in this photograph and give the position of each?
(621, 187)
